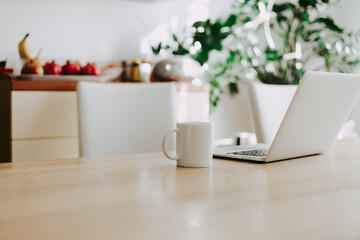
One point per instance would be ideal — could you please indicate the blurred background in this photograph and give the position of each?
(107, 31)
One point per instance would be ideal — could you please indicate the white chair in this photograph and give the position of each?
(119, 118)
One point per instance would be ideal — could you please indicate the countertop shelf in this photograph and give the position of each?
(24, 85)
(33, 85)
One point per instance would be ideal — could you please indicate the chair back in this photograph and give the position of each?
(120, 118)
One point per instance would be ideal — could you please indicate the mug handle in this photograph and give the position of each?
(176, 130)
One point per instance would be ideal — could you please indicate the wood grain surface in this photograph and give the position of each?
(145, 196)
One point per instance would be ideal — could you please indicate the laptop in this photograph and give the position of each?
(312, 122)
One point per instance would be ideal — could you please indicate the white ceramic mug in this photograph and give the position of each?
(194, 144)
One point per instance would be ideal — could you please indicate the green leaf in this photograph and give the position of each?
(299, 15)
(198, 24)
(305, 16)
(232, 57)
(278, 8)
(329, 23)
(272, 54)
(215, 28)
(156, 50)
(217, 46)
(175, 37)
(202, 57)
(281, 18)
(230, 21)
(181, 51)
(308, 34)
(308, 3)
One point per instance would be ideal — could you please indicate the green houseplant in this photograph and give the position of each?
(273, 42)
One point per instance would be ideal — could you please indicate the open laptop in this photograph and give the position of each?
(312, 122)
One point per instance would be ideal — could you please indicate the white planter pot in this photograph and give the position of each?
(268, 104)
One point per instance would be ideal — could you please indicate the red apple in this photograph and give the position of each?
(71, 68)
(5, 72)
(32, 67)
(52, 68)
(91, 69)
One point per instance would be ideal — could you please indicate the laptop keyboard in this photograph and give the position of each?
(253, 152)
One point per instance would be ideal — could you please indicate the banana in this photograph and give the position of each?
(24, 50)
(37, 58)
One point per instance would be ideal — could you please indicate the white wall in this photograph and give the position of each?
(347, 15)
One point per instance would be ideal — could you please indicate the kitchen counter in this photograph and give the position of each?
(39, 117)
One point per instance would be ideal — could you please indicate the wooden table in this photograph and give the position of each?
(145, 196)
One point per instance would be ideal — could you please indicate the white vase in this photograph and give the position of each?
(268, 104)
